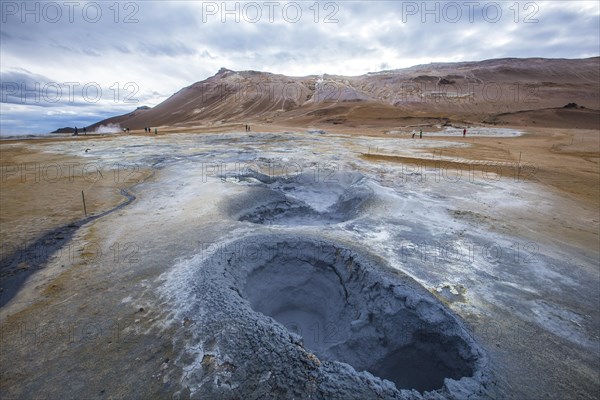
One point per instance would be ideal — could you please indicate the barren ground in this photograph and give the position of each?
(84, 305)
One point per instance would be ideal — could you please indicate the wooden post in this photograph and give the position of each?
(519, 168)
(83, 198)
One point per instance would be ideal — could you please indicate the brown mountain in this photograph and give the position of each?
(500, 91)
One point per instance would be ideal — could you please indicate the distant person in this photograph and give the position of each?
(421, 133)
(464, 132)
(75, 133)
(84, 130)
(413, 133)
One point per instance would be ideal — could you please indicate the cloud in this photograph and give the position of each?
(25, 119)
(161, 47)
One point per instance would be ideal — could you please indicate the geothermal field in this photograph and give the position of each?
(350, 248)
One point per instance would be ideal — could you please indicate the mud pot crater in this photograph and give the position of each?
(320, 312)
(303, 199)
(346, 312)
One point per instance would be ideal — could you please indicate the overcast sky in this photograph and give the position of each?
(72, 63)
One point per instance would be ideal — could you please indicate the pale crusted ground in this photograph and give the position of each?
(103, 288)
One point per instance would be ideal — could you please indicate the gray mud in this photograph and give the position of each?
(322, 320)
(286, 200)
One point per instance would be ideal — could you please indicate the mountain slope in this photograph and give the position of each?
(474, 91)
